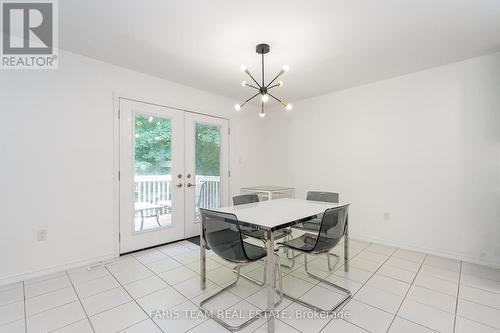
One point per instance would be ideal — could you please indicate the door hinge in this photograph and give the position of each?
(119, 237)
(228, 130)
(229, 172)
(119, 113)
(119, 175)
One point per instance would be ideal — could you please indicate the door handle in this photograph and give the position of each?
(190, 185)
(179, 185)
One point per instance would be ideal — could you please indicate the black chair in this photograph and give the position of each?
(331, 230)
(313, 224)
(256, 233)
(223, 236)
(245, 199)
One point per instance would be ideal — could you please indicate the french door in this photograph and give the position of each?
(172, 163)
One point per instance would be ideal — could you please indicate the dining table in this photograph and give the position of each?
(270, 216)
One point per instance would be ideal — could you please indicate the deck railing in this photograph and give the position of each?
(159, 188)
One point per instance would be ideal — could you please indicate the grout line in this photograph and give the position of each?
(126, 328)
(362, 285)
(25, 316)
(172, 286)
(81, 304)
(479, 288)
(48, 292)
(90, 280)
(404, 297)
(481, 323)
(54, 307)
(482, 304)
(13, 287)
(134, 300)
(188, 299)
(59, 328)
(373, 274)
(45, 278)
(418, 324)
(458, 296)
(361, 328)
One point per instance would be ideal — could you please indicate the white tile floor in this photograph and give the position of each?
(393, 290)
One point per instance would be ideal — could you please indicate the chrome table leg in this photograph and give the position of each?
(203, 259)
(346, 245)
(270, 281)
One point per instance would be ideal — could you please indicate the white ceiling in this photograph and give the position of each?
(328, 44)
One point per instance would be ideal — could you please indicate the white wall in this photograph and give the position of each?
(56, 169)
(424, 148)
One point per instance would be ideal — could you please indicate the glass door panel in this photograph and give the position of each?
(153, 176)
(207, 143)
(206, 165)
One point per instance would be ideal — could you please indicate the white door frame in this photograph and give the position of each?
(116, 154)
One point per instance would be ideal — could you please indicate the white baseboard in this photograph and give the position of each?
(444, 254)
(53, 269)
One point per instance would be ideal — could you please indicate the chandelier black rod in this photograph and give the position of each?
(249, 74)
(248, 100)
(277, 76)
(263, 70)
(276, 98)
(252, 86)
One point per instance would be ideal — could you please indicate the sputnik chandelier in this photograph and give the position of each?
(263, 88)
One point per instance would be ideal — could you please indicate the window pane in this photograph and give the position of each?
(207, 165)
(152, 179)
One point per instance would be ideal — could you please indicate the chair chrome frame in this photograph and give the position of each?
(316, 196)
(347, 292)
(330, 268)
(249, 278)
(292, 259)
(259, 314)
(264, 277)
(254, 198)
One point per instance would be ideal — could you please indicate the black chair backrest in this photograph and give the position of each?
(332, 228)
(223, 235)
(245, 199)
(323, 196)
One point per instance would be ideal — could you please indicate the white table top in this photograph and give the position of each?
(279, 213)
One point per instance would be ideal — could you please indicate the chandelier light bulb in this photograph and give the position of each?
(265, 98)
(237, 107)
(280, 83)
(244, 83)
(262, 114)
(243, 68)
(288, 106)
(285, 68)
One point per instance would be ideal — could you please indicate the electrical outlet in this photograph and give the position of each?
(41, 235)
(387, 216)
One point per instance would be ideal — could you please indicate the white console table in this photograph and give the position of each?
(268, 192)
